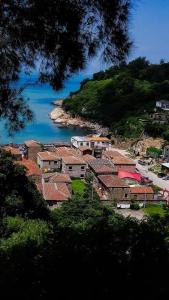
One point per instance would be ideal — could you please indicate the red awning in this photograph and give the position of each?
(130, 175)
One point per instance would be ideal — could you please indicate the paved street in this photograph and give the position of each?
(164, 184)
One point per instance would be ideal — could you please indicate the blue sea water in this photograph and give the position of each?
(39, 98)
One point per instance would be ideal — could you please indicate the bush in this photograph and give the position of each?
(134, 205)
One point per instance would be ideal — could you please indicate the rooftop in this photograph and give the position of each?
(101, 166)
(47, 155)
(73, 160)
(55, 191)
(119, 159)
(91, 138)
(32, 167)
(112, 181)
(31, 143)
(141, 190)
(57, 177)
(88, 158)
(12, 150)
(65, 151)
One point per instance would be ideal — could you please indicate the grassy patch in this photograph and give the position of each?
(152, 210)
(78, 186)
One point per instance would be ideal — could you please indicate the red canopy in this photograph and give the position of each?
(126, 174)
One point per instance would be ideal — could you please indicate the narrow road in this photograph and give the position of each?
(164, 184)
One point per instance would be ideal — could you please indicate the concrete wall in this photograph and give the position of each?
(77, 171)
(46, 164)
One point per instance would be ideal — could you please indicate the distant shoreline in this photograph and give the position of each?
(64, 119)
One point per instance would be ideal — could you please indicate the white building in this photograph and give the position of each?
(91, 142)
(163, 104)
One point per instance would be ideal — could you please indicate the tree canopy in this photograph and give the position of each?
(123, 97)
(61, 35)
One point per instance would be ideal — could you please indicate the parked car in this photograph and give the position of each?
(141, 162)
(166, 177)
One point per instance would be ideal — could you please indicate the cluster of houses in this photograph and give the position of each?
(53, 167)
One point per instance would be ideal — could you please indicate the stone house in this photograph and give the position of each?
(142, 193)
(113, 188)
(74, 166)
(101, 167)
(48, 161)
(31, 149)
(119, 161)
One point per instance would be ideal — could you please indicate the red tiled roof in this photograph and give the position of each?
(32, 168)
(47, 155)
(55, 192)
(118, 159)
(31, 143)
(112, 181)
(88, 157)
(98, 138)
(57, 177)
(65, 151)
(103, 169)
(12, 150)
(73, 160)
(141, 190)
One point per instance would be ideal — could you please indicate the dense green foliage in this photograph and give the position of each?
(18, 193)
(58, 36)
(123, 97)
(82, 250)
(154, 151)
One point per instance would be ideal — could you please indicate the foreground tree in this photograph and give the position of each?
(61, 35)
(18, 193)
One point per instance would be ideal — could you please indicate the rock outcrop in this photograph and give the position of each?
(59, 116)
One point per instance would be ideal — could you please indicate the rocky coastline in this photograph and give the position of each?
(64, 119)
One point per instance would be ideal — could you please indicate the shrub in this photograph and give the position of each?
(134, 205)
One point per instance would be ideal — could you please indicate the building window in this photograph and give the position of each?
(70, 168)
(81, 144)
(82, 176)
(126, 195)
(55, 162)
(87, 144)
(82, 168)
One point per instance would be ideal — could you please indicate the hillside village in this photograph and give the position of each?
(115, 178)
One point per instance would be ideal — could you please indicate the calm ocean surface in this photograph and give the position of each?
(40, 98)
